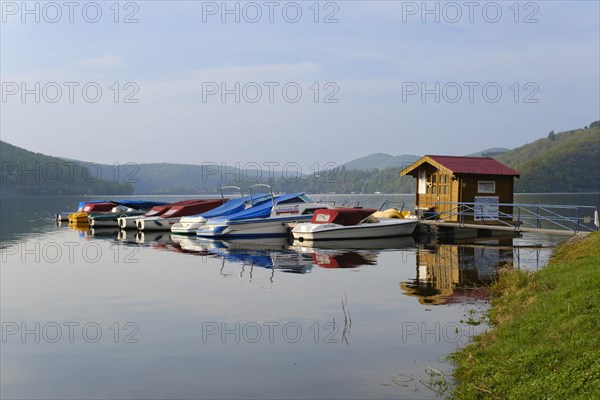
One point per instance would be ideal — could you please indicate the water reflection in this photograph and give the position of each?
(171, 286)
(455, 272)
(445, 272)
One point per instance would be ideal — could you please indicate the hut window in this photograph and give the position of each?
(486, 187)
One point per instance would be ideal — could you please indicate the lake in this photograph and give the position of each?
(102, 314)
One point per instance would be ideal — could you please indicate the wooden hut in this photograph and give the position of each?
(451, 179)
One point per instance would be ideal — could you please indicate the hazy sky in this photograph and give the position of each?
(303, 82)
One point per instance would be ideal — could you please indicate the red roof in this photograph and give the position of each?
(474, 165)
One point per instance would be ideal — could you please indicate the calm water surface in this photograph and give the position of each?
(106, 315)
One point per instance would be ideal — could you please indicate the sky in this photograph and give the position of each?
(306, 82)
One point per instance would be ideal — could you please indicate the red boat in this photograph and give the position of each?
(174, 214)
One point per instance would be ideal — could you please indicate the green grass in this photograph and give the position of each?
(545, 336)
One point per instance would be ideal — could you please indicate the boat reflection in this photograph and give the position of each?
(271, 253)
(453, 272)
(400, 242)
(104, 233)
(350, 253)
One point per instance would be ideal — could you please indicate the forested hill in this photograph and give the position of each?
(26, 172)
(561, 162)
(381, 161)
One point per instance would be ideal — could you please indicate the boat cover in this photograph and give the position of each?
(83, 203)
(193, 208)
(232, 206)
(140, 204)
(98, 207)
(258, 211)
(159, 210)
(341, 216)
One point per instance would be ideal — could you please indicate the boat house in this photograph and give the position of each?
(442, 180)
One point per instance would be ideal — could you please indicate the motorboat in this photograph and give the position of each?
(124, 209)
(103, 206)
(111, 219)
(355, 223)
(81, 217)
(272, 218)
(130, 221)
(64, 216)
(166, 220)
(190, 224)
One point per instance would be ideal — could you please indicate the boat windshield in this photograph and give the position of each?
(303, 198)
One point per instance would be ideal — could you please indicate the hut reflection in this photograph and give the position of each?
(449, 272)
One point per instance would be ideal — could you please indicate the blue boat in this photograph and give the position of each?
(270, 219)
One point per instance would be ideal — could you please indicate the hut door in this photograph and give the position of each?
(443, 191)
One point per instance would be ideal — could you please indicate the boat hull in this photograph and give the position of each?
(127, 222)
(108, 223)
(80, 218)
(156, 223)
(187, 227)
(264, 227)
(111, 220)
(380, 229)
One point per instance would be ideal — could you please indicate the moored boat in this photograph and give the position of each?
(103, 206)
(174, 214)
(190, 224)
(81, 217)
(266, 220)
(124, 209)
(130, 222)
(354, 223)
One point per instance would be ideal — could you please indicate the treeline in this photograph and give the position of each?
(342, 180)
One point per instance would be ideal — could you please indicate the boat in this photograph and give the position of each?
(111, 219)
(81, 217)
(190, 224)
(124, 209)
(269, 219)
(130, 222)
(174, 214)
(355, 223)
(97, 206)
(64, 216)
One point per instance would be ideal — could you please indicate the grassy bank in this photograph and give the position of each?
(545, 338)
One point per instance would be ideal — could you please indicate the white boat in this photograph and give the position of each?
(266, 220)
(354, 223)
(190, 224)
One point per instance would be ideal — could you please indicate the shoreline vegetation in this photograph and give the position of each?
(544, 340)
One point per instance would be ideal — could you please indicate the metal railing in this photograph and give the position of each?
(541, 216)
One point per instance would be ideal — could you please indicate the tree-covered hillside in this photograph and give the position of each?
(381, 161)
(342, 180)
(561, 162)
(26, 172)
